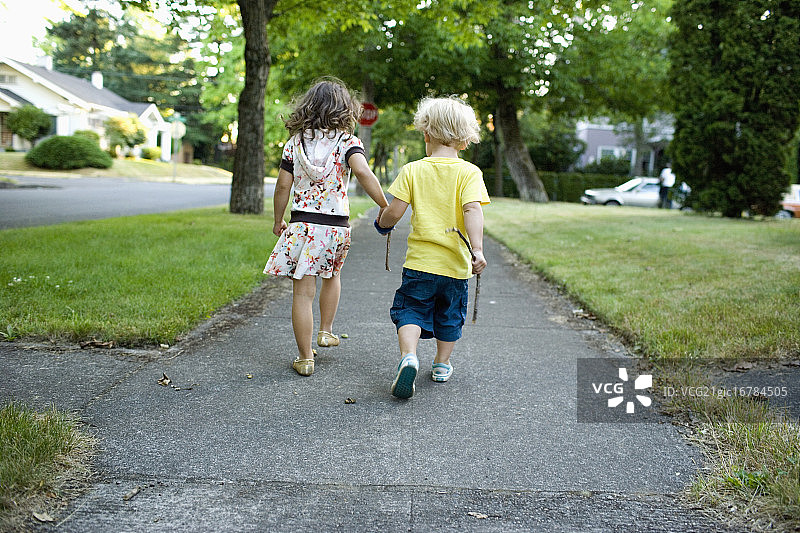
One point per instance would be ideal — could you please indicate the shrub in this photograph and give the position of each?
(560, 186)
(63, 153)
(125, 131)
(29, 122)
(153, 153)
(89, 134)
(608, 165)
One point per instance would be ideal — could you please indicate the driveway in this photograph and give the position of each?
(44, 201)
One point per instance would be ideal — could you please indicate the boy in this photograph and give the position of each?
(444, 192)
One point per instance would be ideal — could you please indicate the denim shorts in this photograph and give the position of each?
(437, 304)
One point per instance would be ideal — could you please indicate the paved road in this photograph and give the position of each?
(45, 201)
(242, 443)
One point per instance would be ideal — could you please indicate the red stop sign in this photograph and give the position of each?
(369, 115)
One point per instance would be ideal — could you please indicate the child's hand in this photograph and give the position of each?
(279, 227)
(479, 262)
(382, 231)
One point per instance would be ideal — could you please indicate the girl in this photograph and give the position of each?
(317, 160)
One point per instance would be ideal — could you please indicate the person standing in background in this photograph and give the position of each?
(666, 180)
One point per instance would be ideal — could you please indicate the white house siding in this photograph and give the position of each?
(77, 105)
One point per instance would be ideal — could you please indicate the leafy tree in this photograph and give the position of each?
(247, 191)
(139, 63)
(398, 35)
(734, 78)
(81, 44)
(124, 131)
(497, 53)
(29, 122)
(551, 141)
(616, 66)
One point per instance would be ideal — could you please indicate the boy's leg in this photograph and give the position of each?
(403, 385)
(408, 337)
(303, 291)
(329, 302)
(443, 351)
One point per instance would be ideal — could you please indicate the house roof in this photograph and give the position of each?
(88, 92)
(14, 96)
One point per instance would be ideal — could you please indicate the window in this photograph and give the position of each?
(8, 79)
(614, 151)
(5, 133)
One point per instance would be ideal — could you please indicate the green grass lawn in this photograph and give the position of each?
(42, 455)
(681, 286)
(140, 280)
(688, 289)
(11, 162)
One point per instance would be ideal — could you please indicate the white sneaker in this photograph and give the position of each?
(403, 386)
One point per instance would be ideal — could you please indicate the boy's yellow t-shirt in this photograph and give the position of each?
(437, 188)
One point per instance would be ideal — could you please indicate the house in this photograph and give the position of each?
(74, 103)
(604, 139)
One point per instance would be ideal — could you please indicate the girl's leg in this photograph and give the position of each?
(443, 351)
(329, 302)
(303, 291)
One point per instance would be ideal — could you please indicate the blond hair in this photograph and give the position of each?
(328, 105)
(448, 121)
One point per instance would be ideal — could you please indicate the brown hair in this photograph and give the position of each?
(327, 105)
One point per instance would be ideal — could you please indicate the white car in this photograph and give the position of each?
(640, 192)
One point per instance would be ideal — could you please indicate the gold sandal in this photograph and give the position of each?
(326, 338)
(304, 367)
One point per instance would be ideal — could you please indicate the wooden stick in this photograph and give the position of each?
(477, 293)
(477, 276)
(388, 240)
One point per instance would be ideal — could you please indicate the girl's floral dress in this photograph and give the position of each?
(318, 162)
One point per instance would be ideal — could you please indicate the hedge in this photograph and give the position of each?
(64, 153)
(560, 186)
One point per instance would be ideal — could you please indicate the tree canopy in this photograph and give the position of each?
(734, 78)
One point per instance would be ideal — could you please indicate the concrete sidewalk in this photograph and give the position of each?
(498, 448)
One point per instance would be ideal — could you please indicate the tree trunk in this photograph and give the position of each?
(365, 132)
(247, 186)
(520, 165)
(498, 163)
(640, 142)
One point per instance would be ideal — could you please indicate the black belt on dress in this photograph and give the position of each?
(320, 218)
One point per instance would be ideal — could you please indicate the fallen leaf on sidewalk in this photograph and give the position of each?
(344, 335)
(43, 517)
(479, 516)
(164, 381)
(349, 400)
(94, 343)
(580, 313)
(133, 492)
